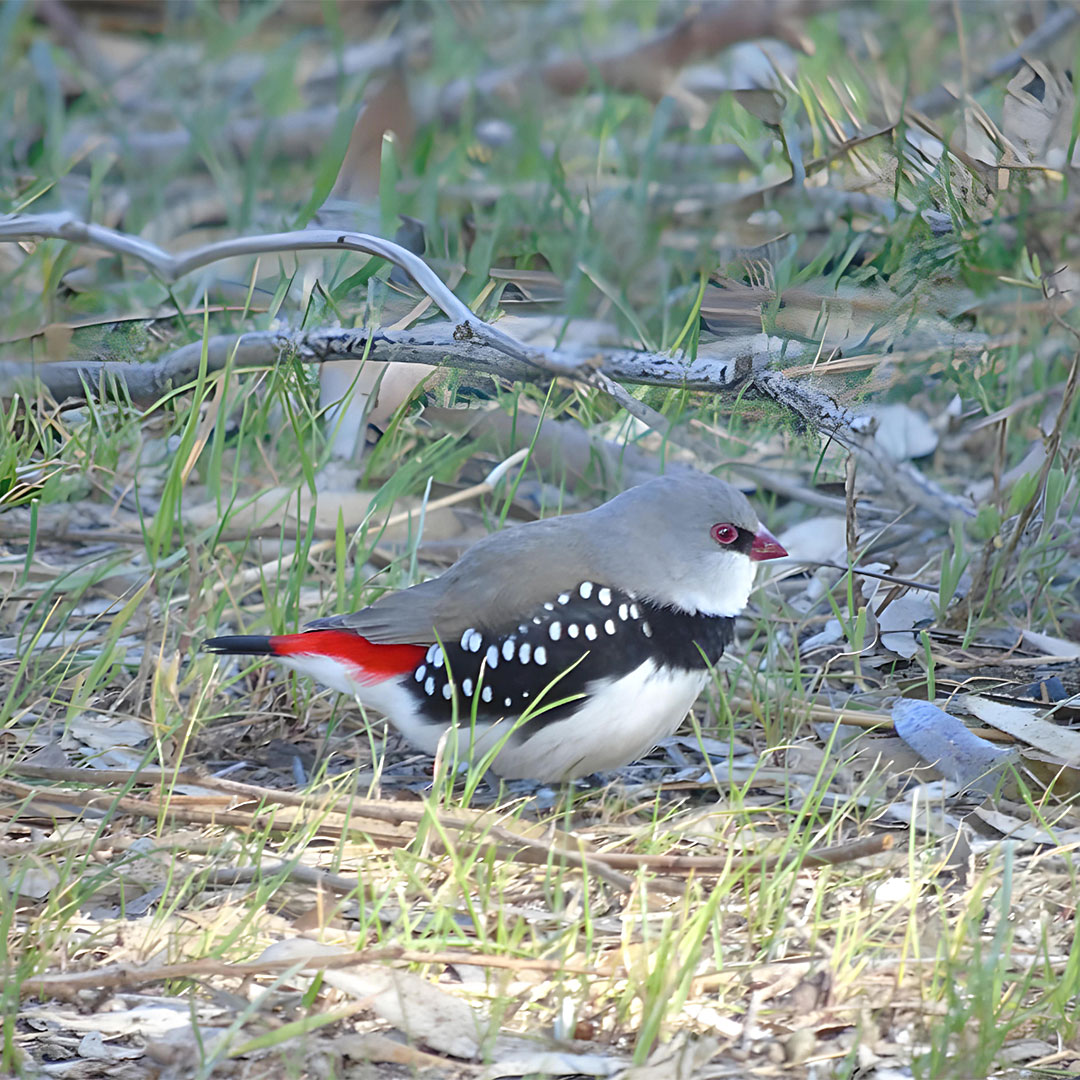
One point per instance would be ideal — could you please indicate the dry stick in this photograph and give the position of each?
(126, 976)
(711, 864)
(748, 359)
(296, 872)
(386, 810)
(941, 98)
(815, 407)
(892, 579)
(399, 813)
(508, 846)
(431, 344)
(106, 800)
(469, 327)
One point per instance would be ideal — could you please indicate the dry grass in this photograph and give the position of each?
(217, 869)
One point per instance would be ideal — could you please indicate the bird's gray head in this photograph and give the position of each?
(687, 540)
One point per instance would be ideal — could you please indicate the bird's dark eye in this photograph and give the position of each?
(724, 533)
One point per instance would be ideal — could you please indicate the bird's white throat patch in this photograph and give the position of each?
(724, 593)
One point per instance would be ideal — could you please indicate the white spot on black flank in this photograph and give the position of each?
(564, 598)
(549, 606)
(604, 596)
(537, 620)
(585, 590)
(502, 672)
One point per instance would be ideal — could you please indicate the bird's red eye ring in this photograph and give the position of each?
(724, 533)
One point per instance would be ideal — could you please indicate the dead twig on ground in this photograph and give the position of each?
(511, 843)
(714, 864)
(66, 984)
(646, 67)
(430, 344)
(468, 327)
(993, 557)
(344, 816)
(943, 97)
(813, 406)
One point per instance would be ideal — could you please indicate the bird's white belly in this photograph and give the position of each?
(621, 720)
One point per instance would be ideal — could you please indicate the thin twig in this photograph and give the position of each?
(432, 344)
(468, 326)
(713, 864)
(856, 433)
(511, 845)
(892, 579)
(815, 407)
(357, 816)
(169, 268)
(942, 98)
(127, 976)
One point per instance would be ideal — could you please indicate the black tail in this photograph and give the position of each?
(240, 644)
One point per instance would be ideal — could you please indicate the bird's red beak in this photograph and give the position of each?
(766, 546)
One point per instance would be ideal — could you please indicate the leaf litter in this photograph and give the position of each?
(221, 870)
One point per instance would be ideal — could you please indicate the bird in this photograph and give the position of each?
(554, 649)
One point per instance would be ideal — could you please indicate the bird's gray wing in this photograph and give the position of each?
(490, 588)
(397, 618)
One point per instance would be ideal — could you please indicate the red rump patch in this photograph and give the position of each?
(374, 663)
